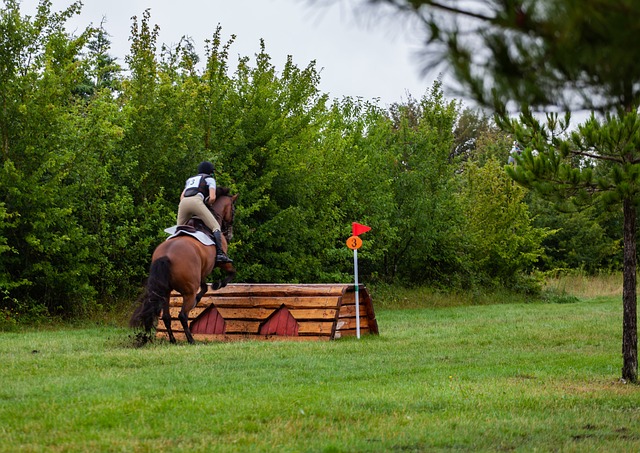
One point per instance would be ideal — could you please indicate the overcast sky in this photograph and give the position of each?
(360, 53)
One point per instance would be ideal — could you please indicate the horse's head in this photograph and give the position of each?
(224, 208)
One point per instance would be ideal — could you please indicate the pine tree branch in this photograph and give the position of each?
(573, 188)
(459, 11)
(598, 156)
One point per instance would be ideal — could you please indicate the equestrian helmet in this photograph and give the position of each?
(206, 168)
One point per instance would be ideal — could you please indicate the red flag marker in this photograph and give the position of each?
(357, 229)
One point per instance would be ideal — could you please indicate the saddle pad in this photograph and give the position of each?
(199, 235)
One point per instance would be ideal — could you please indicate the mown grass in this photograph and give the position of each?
(516, 377)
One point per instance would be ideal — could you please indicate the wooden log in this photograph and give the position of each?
(176, 326)
(241, 326)
(351, 323)
(347, 311)
(245, 313)
(244, 290)
(351, 332)
(316, 328)
(270, 301)
(193, 314)
(309, 314)
(279, 290)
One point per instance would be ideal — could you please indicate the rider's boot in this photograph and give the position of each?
(221, 257)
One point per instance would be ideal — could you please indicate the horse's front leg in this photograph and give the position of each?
(203, 290)
(231, 273)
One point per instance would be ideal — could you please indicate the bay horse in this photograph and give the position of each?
(183, 263)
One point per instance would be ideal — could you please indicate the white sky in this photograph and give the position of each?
(360, 53)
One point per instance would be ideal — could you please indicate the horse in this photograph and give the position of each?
(183, 263)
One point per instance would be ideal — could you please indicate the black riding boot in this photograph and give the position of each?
(221, 257)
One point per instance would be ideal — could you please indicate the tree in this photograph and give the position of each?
(104, 68)
(598, 163)
(586, 237)
(503, 243)
(49, 252)
(571, 54)
(427, 215)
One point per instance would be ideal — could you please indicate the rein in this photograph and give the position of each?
(225, 227)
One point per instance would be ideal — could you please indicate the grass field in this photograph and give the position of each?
(514, 377)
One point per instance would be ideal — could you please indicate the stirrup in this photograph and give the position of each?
(223, 259)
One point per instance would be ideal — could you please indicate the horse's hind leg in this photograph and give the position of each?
(188, 302)
(166, 318)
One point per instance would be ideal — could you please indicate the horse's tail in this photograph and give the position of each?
(157, 291)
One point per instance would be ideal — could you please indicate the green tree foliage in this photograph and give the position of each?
(39, 73)
(585, 238)
(503, 243)
(349, 172)
(272, 121)
(426, 213)
(478, 139)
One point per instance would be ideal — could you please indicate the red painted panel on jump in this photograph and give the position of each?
(210, 323)
(281, 323)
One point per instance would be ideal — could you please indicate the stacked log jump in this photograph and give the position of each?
(276, 312)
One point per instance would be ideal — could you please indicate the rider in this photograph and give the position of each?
(198, 190)
(515, 151)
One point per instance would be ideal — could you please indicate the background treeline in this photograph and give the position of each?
(94, 156)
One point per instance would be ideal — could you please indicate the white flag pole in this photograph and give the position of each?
(354, 243)
(357, 292)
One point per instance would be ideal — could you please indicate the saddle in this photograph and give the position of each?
(194, 228)
(196, 224)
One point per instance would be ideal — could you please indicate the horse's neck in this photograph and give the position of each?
(218, 209)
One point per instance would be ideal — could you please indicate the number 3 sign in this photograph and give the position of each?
(354, 242)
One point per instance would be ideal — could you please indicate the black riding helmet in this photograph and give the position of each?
(206, 168)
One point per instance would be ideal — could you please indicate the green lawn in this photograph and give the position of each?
(518, 377)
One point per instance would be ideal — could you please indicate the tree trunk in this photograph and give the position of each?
(629, 317)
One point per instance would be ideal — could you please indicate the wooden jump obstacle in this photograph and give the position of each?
(275, 312)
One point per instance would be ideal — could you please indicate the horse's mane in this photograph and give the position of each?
(223, 192)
